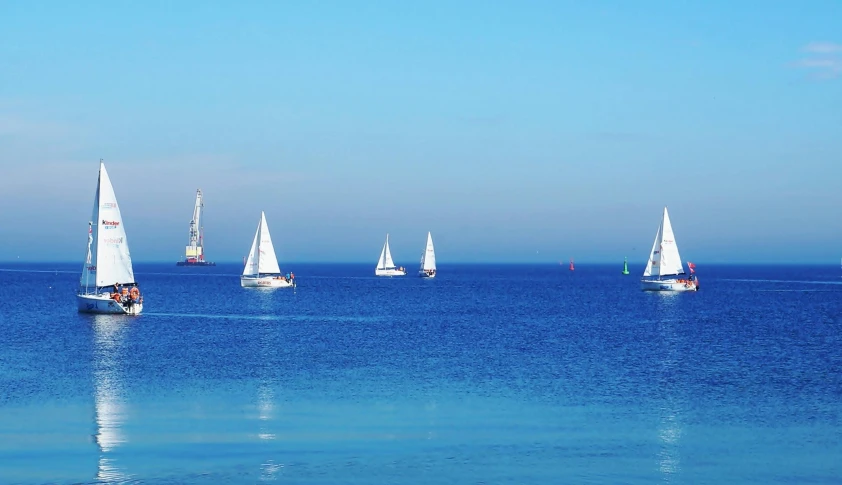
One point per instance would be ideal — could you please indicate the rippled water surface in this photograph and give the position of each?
(487, 374)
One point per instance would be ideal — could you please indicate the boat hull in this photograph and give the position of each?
(669, 285)
(103, 304)
(389, 272)
(195, 263)
(266, 282)
(424, 274)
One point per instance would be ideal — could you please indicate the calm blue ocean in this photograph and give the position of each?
(486, 374)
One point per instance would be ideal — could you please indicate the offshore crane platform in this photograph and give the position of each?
(194, 254)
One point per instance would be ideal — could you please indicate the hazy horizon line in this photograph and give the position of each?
(461, 263)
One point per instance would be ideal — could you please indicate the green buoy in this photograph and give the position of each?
(625, 266)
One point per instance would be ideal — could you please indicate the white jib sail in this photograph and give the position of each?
(664, 259)
(428, 259)
(108, 260)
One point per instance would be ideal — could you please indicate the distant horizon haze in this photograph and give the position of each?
(564, 265)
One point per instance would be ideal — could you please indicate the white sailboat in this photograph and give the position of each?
(428, 260)
(665, 263)
(107, 284)
(385, 265)
(261, 269)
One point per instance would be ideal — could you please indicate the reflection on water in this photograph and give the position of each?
(109, 412)
(265, 299)
(109, 472)
(669, 432)
(270, 470)
(669, 428)
(431, 409)
(266, 406)
(108, 394)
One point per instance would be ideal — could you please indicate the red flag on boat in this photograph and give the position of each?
(692, 267)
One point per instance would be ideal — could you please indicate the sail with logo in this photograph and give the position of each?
(107, 284)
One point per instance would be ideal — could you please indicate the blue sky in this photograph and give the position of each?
(515, 131)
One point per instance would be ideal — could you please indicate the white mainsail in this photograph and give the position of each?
(108, 260)
(428, 259)
(664, 259)
(262, 258)
(385, 261)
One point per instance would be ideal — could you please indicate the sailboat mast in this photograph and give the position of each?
(95, 217)
(661, 244)
(259, 241)
(88, 259)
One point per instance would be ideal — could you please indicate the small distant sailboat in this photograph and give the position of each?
(108, 263)
(428, 260)
(385, 265)
(665, 263)
(625, 265)
(572, 268)
(261, 267)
